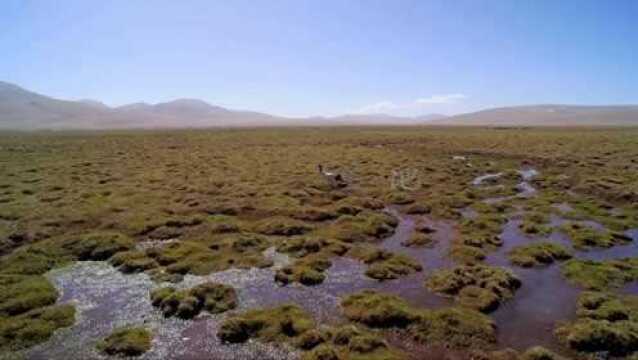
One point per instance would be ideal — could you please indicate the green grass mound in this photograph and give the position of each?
(478, 236)
(482, 231)
(133, 341)
(282, 226)
(283, 323)
(367, 226)
(583, 236)
(345, 343)
(133, 261)
(34, 326)
(307, 271)
(601, 275)
(315, 214)
(40, 257)
(605, 323)
(383, 264)
(399, 198)
(197, 258)
(20, 294)
(465, 254)
(456, 327)
(540, 353)
(98, 245)
(309, 245)
(28, 315)
(418, 209)
(537, 254)
(535, 223)
(533, 353)
(313, 259)
(377, 309)
(290, 324)
(418, 239)
(211, 297)
(480, 287)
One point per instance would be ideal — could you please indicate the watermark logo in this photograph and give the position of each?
(405, 179)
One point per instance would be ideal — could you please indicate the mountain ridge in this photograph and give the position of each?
(548, 115)
(21, 109)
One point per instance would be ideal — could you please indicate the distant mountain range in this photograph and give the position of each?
(21, 109)
(548, 115)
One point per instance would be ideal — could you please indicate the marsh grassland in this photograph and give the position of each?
(443, 243)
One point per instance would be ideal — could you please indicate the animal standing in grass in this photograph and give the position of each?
(335, 180)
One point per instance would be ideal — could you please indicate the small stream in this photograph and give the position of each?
(546, 297)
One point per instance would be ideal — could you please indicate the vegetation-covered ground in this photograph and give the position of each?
(180, 204)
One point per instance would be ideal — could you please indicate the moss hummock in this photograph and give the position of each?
(281, 323)
(133, 341)
(377, 309)
(478, 236)
(584, 236)
(34, 326)
(351, 342)
(540, 353)
(282, 226)
(600, 275)
(97, 245)
(212, 297)
(533, 353)
(236, 250)
(537, 254)
(313, 259)
(290, 324)
(467, 254)
(418, 239)
(366, 226)
(133, 261)
(383, 264)
(307, 271)
(456, 327)
(483, 231)
(481, 287)
(605, 323)
(19, 294)
(535, 223)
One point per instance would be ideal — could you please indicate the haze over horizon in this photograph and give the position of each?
(326, 58)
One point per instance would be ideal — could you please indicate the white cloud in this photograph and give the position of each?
(378, 108)
(440, 99)
(439, 103)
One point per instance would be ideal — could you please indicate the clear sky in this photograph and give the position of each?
(323, 57)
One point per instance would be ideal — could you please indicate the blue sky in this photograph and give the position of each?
(325, 57)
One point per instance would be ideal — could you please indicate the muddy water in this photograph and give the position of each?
(616, 252)
(544, 298)
(411, 287)
(106, 299)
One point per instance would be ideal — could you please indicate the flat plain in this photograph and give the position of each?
(437, 243)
